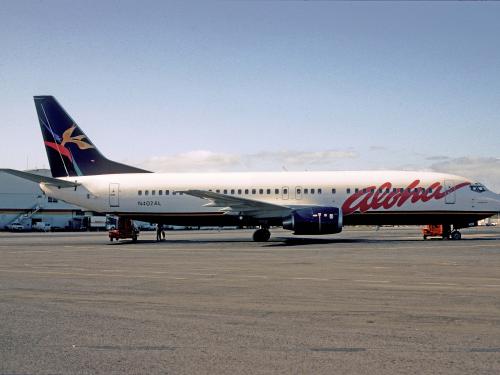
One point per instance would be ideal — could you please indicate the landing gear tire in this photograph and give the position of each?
(456, 235)
(261, 235)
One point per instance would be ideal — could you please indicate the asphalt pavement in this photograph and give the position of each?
(366, 301)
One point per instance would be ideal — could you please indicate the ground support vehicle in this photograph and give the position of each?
(443, 231)
(126, 229)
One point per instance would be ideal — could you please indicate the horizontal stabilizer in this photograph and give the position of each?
(40, 179)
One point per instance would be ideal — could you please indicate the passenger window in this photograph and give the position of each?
(373, 191)
(160, 192)
(167, 192)
(239, 191)
(139, 192)
(232, 191)
(254, 191)
(225, 191)
(153, 192)
(430, 190)
(276, 191)
(356, 190)
(285, 191)
(319, 191)
(298, 191)
(306, 191)
(246, 191)
(261, 191)
(146, 192)
(387, 191)
(394, 190)
(348, 190)
(217, 191)
(312, 191)
(334, 191)
(268, 191)
(174, 193)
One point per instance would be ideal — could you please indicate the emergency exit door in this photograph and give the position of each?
(114, 195)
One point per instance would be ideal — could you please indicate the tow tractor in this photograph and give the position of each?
(126, 229)
(442, 231)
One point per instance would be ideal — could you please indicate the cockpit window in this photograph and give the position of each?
(478, 188)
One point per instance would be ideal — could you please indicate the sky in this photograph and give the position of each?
(249, 86)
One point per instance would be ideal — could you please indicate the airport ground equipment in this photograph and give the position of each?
(443, 231)
(125, 230)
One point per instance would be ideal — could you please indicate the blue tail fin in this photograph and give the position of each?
(70, 151)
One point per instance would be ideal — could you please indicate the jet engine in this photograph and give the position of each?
(314, 220)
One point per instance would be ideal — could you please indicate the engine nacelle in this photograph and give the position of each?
(314, 220)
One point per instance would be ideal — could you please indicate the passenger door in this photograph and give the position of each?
(450, 197)
(114, 195)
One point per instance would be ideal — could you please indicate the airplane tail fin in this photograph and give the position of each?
(69, 150)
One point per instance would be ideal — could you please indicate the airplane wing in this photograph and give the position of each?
(238, 204)
(40, 179)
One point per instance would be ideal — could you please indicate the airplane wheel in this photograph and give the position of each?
(261, 235)
(456, 235)
(134, 239)
(425, 237)
(111, 239)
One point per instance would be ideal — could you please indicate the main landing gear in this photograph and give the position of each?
(261, 235)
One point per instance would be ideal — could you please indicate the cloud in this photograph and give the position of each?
(192, 161)
(437, 158)
(485, 170)
(209, 161)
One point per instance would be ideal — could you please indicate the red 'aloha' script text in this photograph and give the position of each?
(384, 196)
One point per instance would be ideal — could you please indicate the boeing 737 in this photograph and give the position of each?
(303, 202)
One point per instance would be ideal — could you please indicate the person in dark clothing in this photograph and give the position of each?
(159, 229)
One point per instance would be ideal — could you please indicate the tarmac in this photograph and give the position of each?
(365, 301)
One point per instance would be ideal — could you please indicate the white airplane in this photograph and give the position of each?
(304, 202)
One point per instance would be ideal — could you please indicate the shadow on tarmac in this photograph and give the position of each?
(300, 241)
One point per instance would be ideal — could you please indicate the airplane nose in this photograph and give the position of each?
(496, 202)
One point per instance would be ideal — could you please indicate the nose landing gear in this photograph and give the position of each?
(456, 235)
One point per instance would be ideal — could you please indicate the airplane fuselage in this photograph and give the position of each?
(365, 197)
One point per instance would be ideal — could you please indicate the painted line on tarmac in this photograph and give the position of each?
(93, 274)
(372, 281)
(254, 276)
